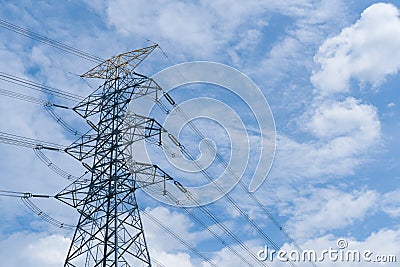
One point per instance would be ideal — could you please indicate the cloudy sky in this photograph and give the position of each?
(328, 69)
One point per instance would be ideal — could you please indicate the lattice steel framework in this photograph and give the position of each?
(110, 231)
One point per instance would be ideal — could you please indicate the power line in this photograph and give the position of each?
(27, 98)
(177, 237)
(222, 227)
(6, 193)
(12, 139)
(66, 48)
(223, 162)
(40, 87)
(49, 107)
(25, 198)
(242, 186)
(44, 216)
(158, 263)
(229, 232)
(39, 153)
(227, 195)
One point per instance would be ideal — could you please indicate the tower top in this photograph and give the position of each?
(125, 62)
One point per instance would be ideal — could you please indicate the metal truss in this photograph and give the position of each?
(109, 231)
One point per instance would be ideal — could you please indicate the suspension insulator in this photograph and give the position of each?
(169, 98)
(174, 140)
(180, 186)
(91, 124)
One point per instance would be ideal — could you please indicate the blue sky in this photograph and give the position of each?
(329, 70)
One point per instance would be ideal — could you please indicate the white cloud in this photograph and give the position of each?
(189, 26)
(367, 51)
(282, 56)
(322, 209)
(342, 132)
(347, 118)
(291, 54)
(225, 258)
(30, 249)
(203, 29)
(159, 240)
(49, 249)
(173, 259)
(97, 5)
(391, 203)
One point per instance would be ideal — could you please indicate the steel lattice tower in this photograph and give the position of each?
(109, 231)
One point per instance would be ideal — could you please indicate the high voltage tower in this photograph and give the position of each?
(109, 231)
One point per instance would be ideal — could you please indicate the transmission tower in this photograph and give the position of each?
(109, 231)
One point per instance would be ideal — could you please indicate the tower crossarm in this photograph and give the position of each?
(137, 127)
(126, 62)
(133, 175)
(126, 89)
(131, 86)
(134, 128)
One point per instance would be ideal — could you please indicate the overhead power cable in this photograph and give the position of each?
(44, 216)
(40, 87)
(25, 197)
(218, 223)
(49, 108)
(240, 183)
(225, 229)
(211, 148)
(39, 153)
(177, 237)
(6, 193)
(12, 139)
(158, 263)
(233, 203)
(23, 97)
(14, 28)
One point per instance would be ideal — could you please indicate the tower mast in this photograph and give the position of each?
(110, 231)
